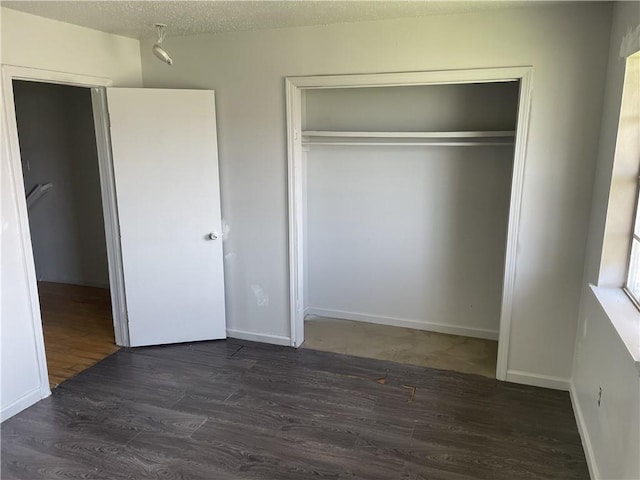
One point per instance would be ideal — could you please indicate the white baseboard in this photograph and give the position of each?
(545, 381)
(21, 403)
(594, 473)
(259, 337)
(406, 323)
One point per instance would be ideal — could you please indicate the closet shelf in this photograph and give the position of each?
(370, 134)
(439, 139)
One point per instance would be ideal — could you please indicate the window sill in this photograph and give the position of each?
(624, 317)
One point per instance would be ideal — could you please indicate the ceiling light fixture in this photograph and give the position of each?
(157, 49)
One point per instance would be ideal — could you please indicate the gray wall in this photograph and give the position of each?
(58, 146)
(411, 236)
(567, 46)
(479, 106)
(612, 430)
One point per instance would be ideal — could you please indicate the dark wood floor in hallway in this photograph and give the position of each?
(241, 410)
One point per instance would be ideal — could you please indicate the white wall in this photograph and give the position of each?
(19, 380)
(416, 240)
(610, 432)
(35, 42)
(410, 236)
(567, 46)
(58, 146)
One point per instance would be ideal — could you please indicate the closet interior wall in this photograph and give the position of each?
(406, 225)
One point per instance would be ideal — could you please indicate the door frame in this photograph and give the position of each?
(101, 123)
(294, 86)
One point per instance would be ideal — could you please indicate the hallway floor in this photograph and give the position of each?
(402, 345)
(78, 328)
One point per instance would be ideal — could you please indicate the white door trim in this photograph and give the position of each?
(110, 212)
(10, 73)
(293, 88)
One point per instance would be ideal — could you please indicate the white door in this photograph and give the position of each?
(165, 161)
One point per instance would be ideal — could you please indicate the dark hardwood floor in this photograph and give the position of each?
(242, 410)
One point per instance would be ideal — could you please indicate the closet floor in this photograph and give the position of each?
(402, 345)
(78, 328)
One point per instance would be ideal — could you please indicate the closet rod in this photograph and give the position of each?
(415, 144)
(37, 193)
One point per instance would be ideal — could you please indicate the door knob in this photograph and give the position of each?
(213, 236)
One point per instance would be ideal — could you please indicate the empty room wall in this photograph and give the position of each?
(567, 47)
(58, 146)
(36, 42)
(611, 430)
(409, 235)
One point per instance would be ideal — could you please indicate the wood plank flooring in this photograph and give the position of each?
(78, 328)
(242, 410)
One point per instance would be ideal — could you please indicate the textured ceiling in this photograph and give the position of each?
(135, 18)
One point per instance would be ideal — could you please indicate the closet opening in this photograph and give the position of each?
(405, 207)
(60, 170)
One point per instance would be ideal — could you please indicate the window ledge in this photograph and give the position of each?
(624, 317)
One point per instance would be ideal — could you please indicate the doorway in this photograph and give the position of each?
(97, 88)
(132, 140)
(60, 171)
(347, 149)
